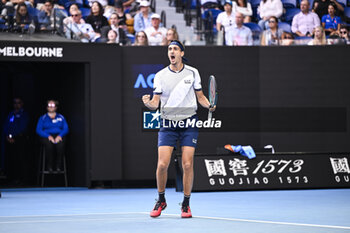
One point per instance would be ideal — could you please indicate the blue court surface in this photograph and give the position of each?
(64, 210)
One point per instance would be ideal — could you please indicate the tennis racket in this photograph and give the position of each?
(213, 94)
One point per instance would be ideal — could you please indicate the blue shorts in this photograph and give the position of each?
(168, 135)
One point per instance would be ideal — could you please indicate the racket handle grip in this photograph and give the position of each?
(210, 115)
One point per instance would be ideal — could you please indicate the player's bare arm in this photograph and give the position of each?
(203, 101)
(153, 103)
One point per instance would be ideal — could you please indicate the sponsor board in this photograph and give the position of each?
(277, 171)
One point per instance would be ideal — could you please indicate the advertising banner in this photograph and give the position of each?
(271, 171)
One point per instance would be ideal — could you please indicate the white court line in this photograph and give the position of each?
(267, 222)
(146, 213)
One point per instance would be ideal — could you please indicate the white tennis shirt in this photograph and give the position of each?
(177, 90)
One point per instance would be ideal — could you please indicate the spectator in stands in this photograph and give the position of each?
(127, 3)
(319, 37)
(47, 16)
(240, 35)
(103, 3)
(16, 143)
(320, 7)
(226, 19)
(131, 6)
(112, 37)
(142, 20)
(23, 22)
(268, 8)
(52, 128)
(6, 9)
(305, 22)
(171, 34)
(155, 34)
(210, 4)
(344, 33)
(287, 39)
(335, 39)
(272, 35)
(245, 8)
(331, 22)
(79, 30)
(96, 18)
(57, 4)
(14, 3)
(69, 19)
(141, 39)
(121, 37)
(124, 18)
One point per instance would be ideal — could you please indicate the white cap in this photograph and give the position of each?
(155, 16)
(144, 3)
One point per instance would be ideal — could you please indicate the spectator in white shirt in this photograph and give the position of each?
(155, 34)
(79, 30)
(226, 19)
(240, 35)
(305, 22)
(267, 9)
(244, 7)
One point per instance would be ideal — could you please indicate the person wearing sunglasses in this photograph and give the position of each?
(52, 128)
(344, 33)
(78, 30)
(141, 39)
(272, 36)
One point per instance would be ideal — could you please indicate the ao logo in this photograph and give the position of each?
(144, 83)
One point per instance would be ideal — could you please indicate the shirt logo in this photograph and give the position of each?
(188, 81)
(56, 120)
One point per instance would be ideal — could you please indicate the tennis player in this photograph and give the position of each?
(177, 87)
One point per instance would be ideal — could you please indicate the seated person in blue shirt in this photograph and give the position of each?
(52, 129)
(331, 23)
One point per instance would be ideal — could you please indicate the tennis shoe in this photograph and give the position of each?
(186, 212)
(158, 208)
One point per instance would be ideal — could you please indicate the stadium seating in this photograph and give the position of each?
(255, 3)
(285, 27)
(347, 11)
(289, 3)
(85, 12)
(290, 13)
(343, 2)
(256, 30)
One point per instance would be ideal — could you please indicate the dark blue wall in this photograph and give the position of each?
(295, 98)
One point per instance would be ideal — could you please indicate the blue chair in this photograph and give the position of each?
(347, 12)
(214, 13)
(68, 3)
(255, 16)
(344, 3)
(131, 38)
(33, 12)
(285, 27)
(85, 12)
(255, 3)
(311, 3)
(256, 30)
(290, 13)
(289, 3)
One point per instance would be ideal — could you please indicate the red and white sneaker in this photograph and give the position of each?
(158, 208)
(186, 212)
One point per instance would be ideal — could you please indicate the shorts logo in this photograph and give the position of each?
(194, 141)
(151, 120)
